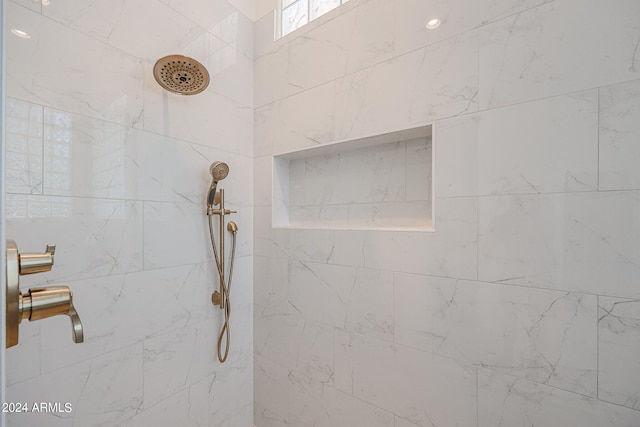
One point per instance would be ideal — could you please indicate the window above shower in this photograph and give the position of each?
(296, 13)
(382, 182)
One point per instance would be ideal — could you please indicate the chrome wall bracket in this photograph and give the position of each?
(37, 303)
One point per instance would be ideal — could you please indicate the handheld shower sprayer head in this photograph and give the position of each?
(218, 171)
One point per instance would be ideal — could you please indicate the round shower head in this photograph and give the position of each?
(219, 170)
(181, 75)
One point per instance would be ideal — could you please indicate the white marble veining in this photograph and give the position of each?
(221, 19)
(583, 242)
(94, 237)
(176, 360)
(428, 390)
(230, 394)
(410, 90)
(35, 5)
(185, 407)
(24, 122)
(545, 336)
(304, 126)
(271, 77)
(311, 282)
(26, 356)
(115, 311)
(504, 401)
(350, 42)
(264, 34)
(451, 251)
(290, 124)
(457, 17)
(304, 345)
(123, 24)
(175, 234)
(386, 185)
(543, 146)
(87, 157)
(618, 349)
(231, 74)
(619, 129)
(535, 54)
(207, 119)
(105, 82)
(114, 170)
(523, 140)
(104, 391)
(307, 403)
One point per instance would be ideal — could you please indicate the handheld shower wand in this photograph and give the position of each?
(219, 171)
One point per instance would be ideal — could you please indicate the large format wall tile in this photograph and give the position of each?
(26, 356)
(504, 400)
(583, 242)
(438, 81)
(536, 54)
(121, 310)
(450, 251)
(23, 173)
(175, 234)
(618, 349)
(146, 29)
(221, 19)
(271, 77)
(231, 75)
(545, 336)
(104, 391)
(348, 43)
(619, 129)
(207, 119)
(287, 398)
(544, 146)
(188, 407)
(179, 359)
(230, 394)
(457, 17)
(94, 237)
(86, 156)
(427, 389)
(105, 82)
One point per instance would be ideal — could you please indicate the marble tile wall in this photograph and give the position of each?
(114, 170)
(522, 307)
(386, 185)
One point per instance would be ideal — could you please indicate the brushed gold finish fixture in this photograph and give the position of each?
(38, 303)
(215, 197)
(180, 74)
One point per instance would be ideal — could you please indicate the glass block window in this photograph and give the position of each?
(296, 13)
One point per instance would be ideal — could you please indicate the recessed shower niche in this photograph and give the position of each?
(381, 182)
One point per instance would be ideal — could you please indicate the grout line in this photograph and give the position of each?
(133, 127)
(573, 193)
(598, 347)
(598, 139)
(477, 397)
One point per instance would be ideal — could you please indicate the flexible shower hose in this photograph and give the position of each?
(226, 287)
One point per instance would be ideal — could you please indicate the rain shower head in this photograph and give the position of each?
(218, 171)
(181, 75)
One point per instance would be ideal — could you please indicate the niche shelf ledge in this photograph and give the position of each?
(381, 182)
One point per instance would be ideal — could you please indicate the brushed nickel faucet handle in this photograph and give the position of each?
(76, 325)
(40, 303)
(37, 303)
(31, 263)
